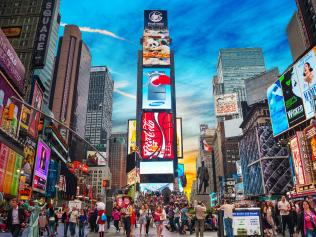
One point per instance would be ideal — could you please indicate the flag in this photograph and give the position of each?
(206, 147)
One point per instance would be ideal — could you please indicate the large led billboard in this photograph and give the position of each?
(180, 174)
(179, 138)
(41, 167)
(131, 143)
(156, 167)
(292, 95)
(153, 187)
(156, 88)
(157, 136)
(156, 50)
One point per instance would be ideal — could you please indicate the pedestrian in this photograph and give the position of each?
(65, 220)
(177, 216)
(142, 219)
(171, 217)
(307, 221)
(42, 222)
(292, 217)
(284, 207)
(228, 209)
(108, 211)
(133, 220)
(82, 222)
(51, 221)
(73, 221)
(200, 214)
(16, 218)
(157, 218)
(126, 214)
(101, 220)
(116, 215)
(148, 218)
(184, 219)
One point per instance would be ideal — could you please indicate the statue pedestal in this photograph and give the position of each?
(203, 197)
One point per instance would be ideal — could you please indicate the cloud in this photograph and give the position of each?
(124, 93)
(120, 84)
(99, 31)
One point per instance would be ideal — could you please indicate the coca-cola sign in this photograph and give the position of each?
(157, 135)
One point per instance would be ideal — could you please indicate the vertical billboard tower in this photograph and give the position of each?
(156, 105)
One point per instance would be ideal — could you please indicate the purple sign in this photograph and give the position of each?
(41, 167)
(10, 63)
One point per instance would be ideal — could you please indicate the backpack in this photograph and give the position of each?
(103, 217)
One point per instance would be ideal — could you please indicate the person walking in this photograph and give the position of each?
(82, 222)
(157, 219)
(142, 219)
(101, 219)
(73, 220)
(148, 218)
(15, 219)
(200, 214)
(307, 221)
(284, 207)
(51, 221)
(127, 213)
(65, 220)
(184, 219)
(116, 215)
(133, 220)
(177, 216)
(228, 209)
(171, 217)
(42, 223)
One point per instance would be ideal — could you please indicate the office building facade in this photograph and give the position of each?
(22, 22)
(99, 110)
(117, 160)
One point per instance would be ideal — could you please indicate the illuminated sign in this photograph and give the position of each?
(131, 143)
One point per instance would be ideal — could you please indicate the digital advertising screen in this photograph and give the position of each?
(131, 143)
(156, 167)
(156, 50)
(157, 136)
(277, 108)
(153, 187)
(95, 158)
(41, 167)
(179, 138)
(180, 174)
(155, 19)
(156, 88)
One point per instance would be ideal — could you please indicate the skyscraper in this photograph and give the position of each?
(117, 159)
(23, 23)
(296, 37)
(99, 110)
(70, 86)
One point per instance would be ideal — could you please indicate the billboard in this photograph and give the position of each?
(179, 138)
(131, 142)
(11, 64)
(226, 104)
(310, 133)
(156, 167)
(133, 177)
(37, 101)
(159, 33)
(157, 135)
(297, 162)
(41, 167)
(6, 92)
(277, 109)
(153, 187)
(95, 158)
(180, 174)
(156, 88)
(156, 51)
(155, 19)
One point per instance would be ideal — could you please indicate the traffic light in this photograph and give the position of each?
(8, 112)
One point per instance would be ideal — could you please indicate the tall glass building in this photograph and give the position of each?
(99, 110)
(237, 64)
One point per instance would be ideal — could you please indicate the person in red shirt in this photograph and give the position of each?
(133, 220)
(101, 223)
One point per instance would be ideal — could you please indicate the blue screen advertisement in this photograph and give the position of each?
(156, 88)
(180, 174)
(277, 108)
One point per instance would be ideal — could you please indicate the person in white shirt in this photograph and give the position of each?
(228, 217)
(284, 208)
(200, 210)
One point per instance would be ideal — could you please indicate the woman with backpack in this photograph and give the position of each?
(101, 219)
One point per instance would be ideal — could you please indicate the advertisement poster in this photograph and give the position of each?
(131, 143)
(297, 161)
(29, 158)
(304, 157)
(35, 116)
(156, 88)
(95, 158)
(159, 33)
(155, 19)
(41, 167)
(157, 135)
(4, 155)
(246, 223)
(8, 178)
(16, 174)
(179, 138)
(11, 63)
(180, 174)
(306, 77)
(133, 176)
(292, 98)
(6, 92)
(310, 134)
(277, 108)
(156, 51)
(25, 119)
(226, 104)
(152, 187)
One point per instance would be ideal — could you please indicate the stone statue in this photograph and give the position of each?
(203, 177)
(33, 230)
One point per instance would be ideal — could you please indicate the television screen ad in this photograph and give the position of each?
(156, 51)
(306, 79)
(41, 167)
(158, 33)
(156, 167)
(179, 138)
(153, 187)
(131, 146)
(297, 161)
(156, 88)
(96, 159)
(157, 136)
(155, 19)
(180, 174)
(226, 104)
(277, 108)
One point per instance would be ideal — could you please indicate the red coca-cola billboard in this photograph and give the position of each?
(157, 135)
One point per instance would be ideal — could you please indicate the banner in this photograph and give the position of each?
(35, 116)
(157, 135)
(4, 155)
(304, 157)
(226, 104)
(41, 167)
(179, 138)
(310, 133)
(131, 142)
(297, 162)
(133, 177)
(156, 88)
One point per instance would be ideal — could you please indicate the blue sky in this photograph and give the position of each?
(198, 30)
